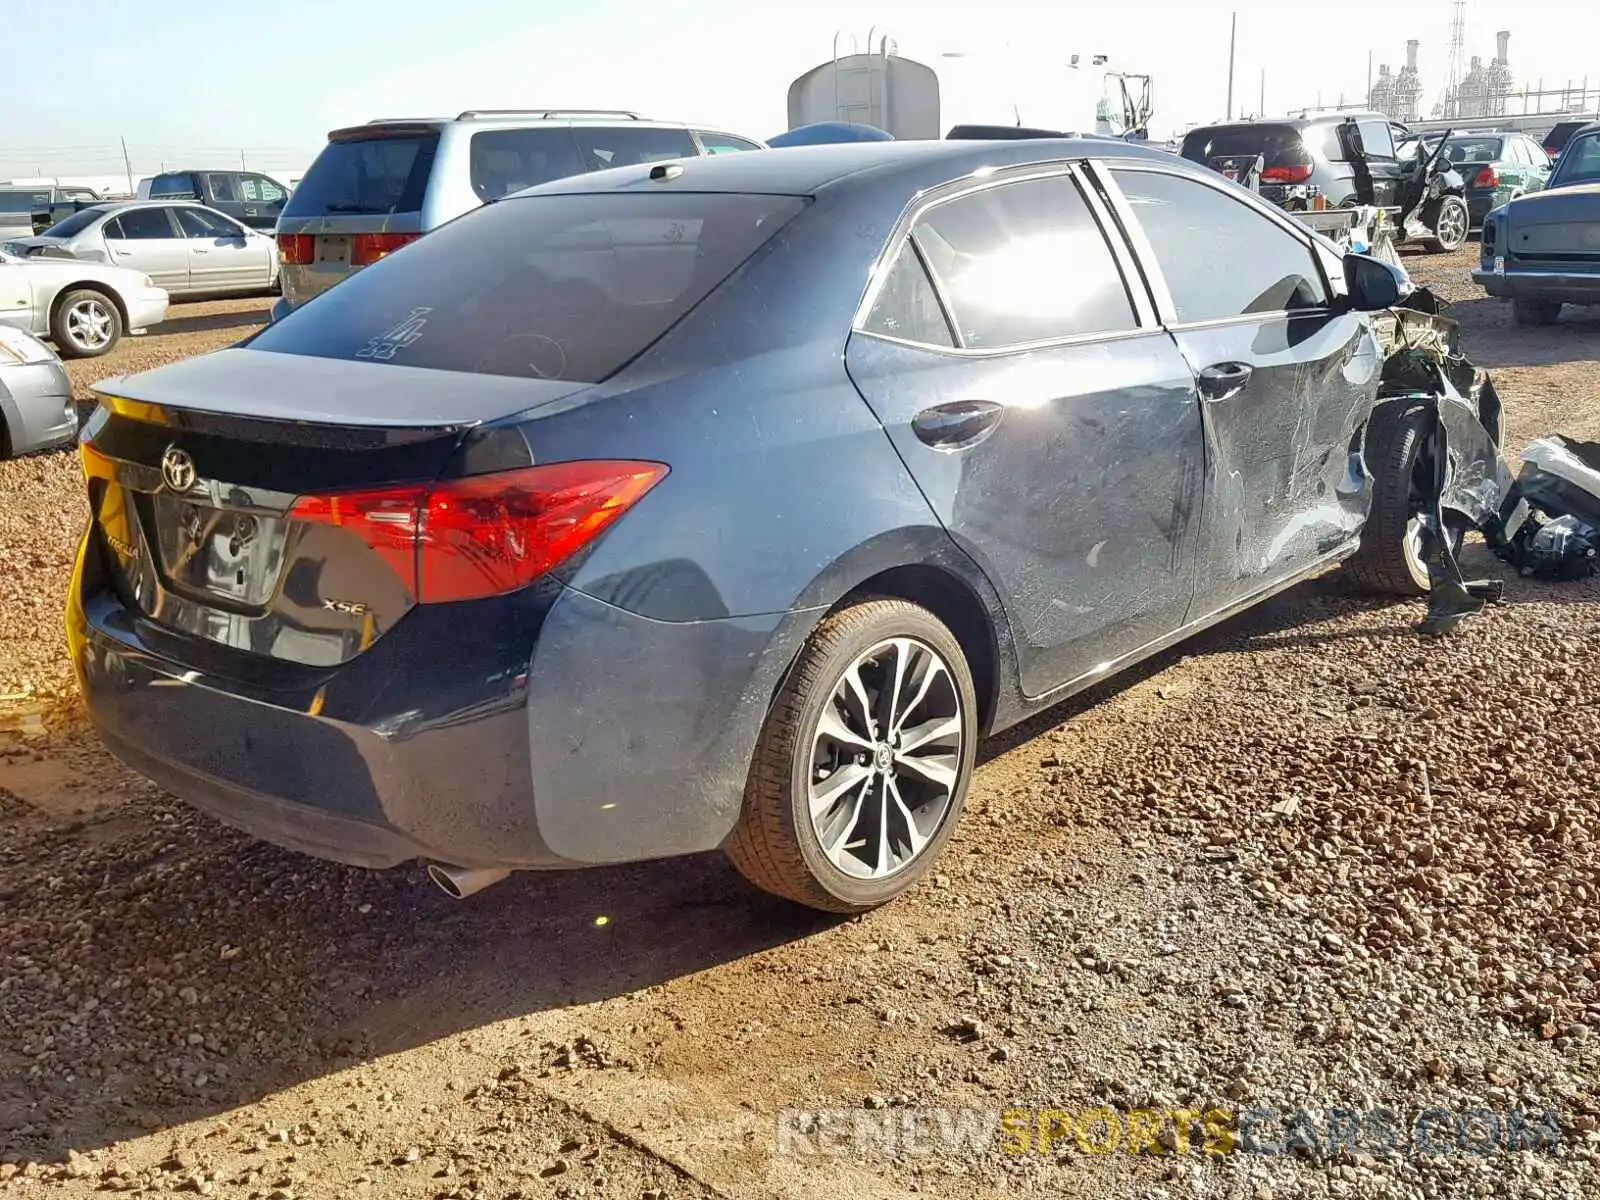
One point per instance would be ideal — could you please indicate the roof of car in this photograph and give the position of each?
(804, 170)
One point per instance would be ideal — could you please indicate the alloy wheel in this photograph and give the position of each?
(885, 758)
(1452, 227)
(89, 324)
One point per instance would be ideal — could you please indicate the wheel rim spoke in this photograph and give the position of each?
(886, 758)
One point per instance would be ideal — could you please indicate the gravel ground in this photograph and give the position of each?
(1307, 860)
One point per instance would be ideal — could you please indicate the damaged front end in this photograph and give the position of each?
(1459, 481)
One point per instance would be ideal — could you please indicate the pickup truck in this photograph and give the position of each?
(246, 196)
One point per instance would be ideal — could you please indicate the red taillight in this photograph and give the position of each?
(488, 534)
(368, 248)
(1487, 177)
(1296, 173)
(296, 249)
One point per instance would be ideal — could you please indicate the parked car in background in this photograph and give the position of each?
(377, 186)
(17, 205)
(1306, 151)
(1556, 140)
(83, 307)
(249, 197)
(1543, 250)
(187, 248)
(37, 411)
(474, 558)
(1497, 168)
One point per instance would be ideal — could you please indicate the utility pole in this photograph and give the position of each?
(1369, 76)
(1262, 111)
(1233, 35)
(127, 165)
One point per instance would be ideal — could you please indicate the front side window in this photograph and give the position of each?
(725, 143)
(503, 161)
(258, 189)
(907, 307)
(144, 224)
(197, 223)
(1221, 259)
(1022, 263)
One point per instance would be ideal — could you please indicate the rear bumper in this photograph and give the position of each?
(1519, 283)
(538, 731)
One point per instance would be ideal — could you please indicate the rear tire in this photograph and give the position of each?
(1536, 312)
(848, 801)
(86, 323)
(1389, 562)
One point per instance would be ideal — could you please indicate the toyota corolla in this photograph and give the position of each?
(719, 503)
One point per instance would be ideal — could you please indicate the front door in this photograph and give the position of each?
(222, 255)
(148, 240)
(16, 298)
(1286, 383)
(261, 201)
(1050, 422)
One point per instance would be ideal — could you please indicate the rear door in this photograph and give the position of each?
(1018, 367)
(1285, 381)
(223, 255)
(148, 240)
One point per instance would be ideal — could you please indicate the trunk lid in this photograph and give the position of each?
(1556, 225)
(194, 471)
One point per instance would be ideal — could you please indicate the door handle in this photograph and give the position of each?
(958, 424)
(198, 250)
(1223, 381)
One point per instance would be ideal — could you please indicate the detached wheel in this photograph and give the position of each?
(1390, 562)
(862, 768)
(1451, 224)
(85, 324)
(1535, 312)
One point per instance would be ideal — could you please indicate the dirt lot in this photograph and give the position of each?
(1309, 860)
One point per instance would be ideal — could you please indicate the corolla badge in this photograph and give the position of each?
(177, 469)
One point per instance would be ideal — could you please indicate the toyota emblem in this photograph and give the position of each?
(177, 469)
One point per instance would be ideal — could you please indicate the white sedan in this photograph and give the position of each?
(85, 308)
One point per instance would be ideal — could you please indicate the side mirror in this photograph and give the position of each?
(1371, 284)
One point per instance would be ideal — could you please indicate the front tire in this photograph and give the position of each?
(1390, 562)
(1451, 224)
(861, 770)
(85, 324)
(1535, 312)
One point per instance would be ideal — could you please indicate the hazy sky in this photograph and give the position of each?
(270, 77)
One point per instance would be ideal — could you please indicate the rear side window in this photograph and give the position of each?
(725, 143)
(546, 287)
(604, 147)
(143, 224)
(222, 187)
(172, 185)
(1220, 258)
(1377, 139)
(366, 175)
(507, 160)
(907, 308)
(1024, 262)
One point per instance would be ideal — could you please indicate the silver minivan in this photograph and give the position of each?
(377, 186)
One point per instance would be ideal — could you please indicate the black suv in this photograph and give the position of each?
(1306, 151)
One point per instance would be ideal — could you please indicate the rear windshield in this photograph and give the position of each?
(507, 160)
(173, 185)
(1281, 145)
(23, 202)
(366, 175)
(545, 287)
(76, 223)
(1474, 149)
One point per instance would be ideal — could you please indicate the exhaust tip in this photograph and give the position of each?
(460, 882)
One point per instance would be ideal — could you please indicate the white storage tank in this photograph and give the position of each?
(878, 88)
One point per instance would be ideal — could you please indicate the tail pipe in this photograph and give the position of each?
(460, 882)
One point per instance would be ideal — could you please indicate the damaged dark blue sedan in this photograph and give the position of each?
(723, 503)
